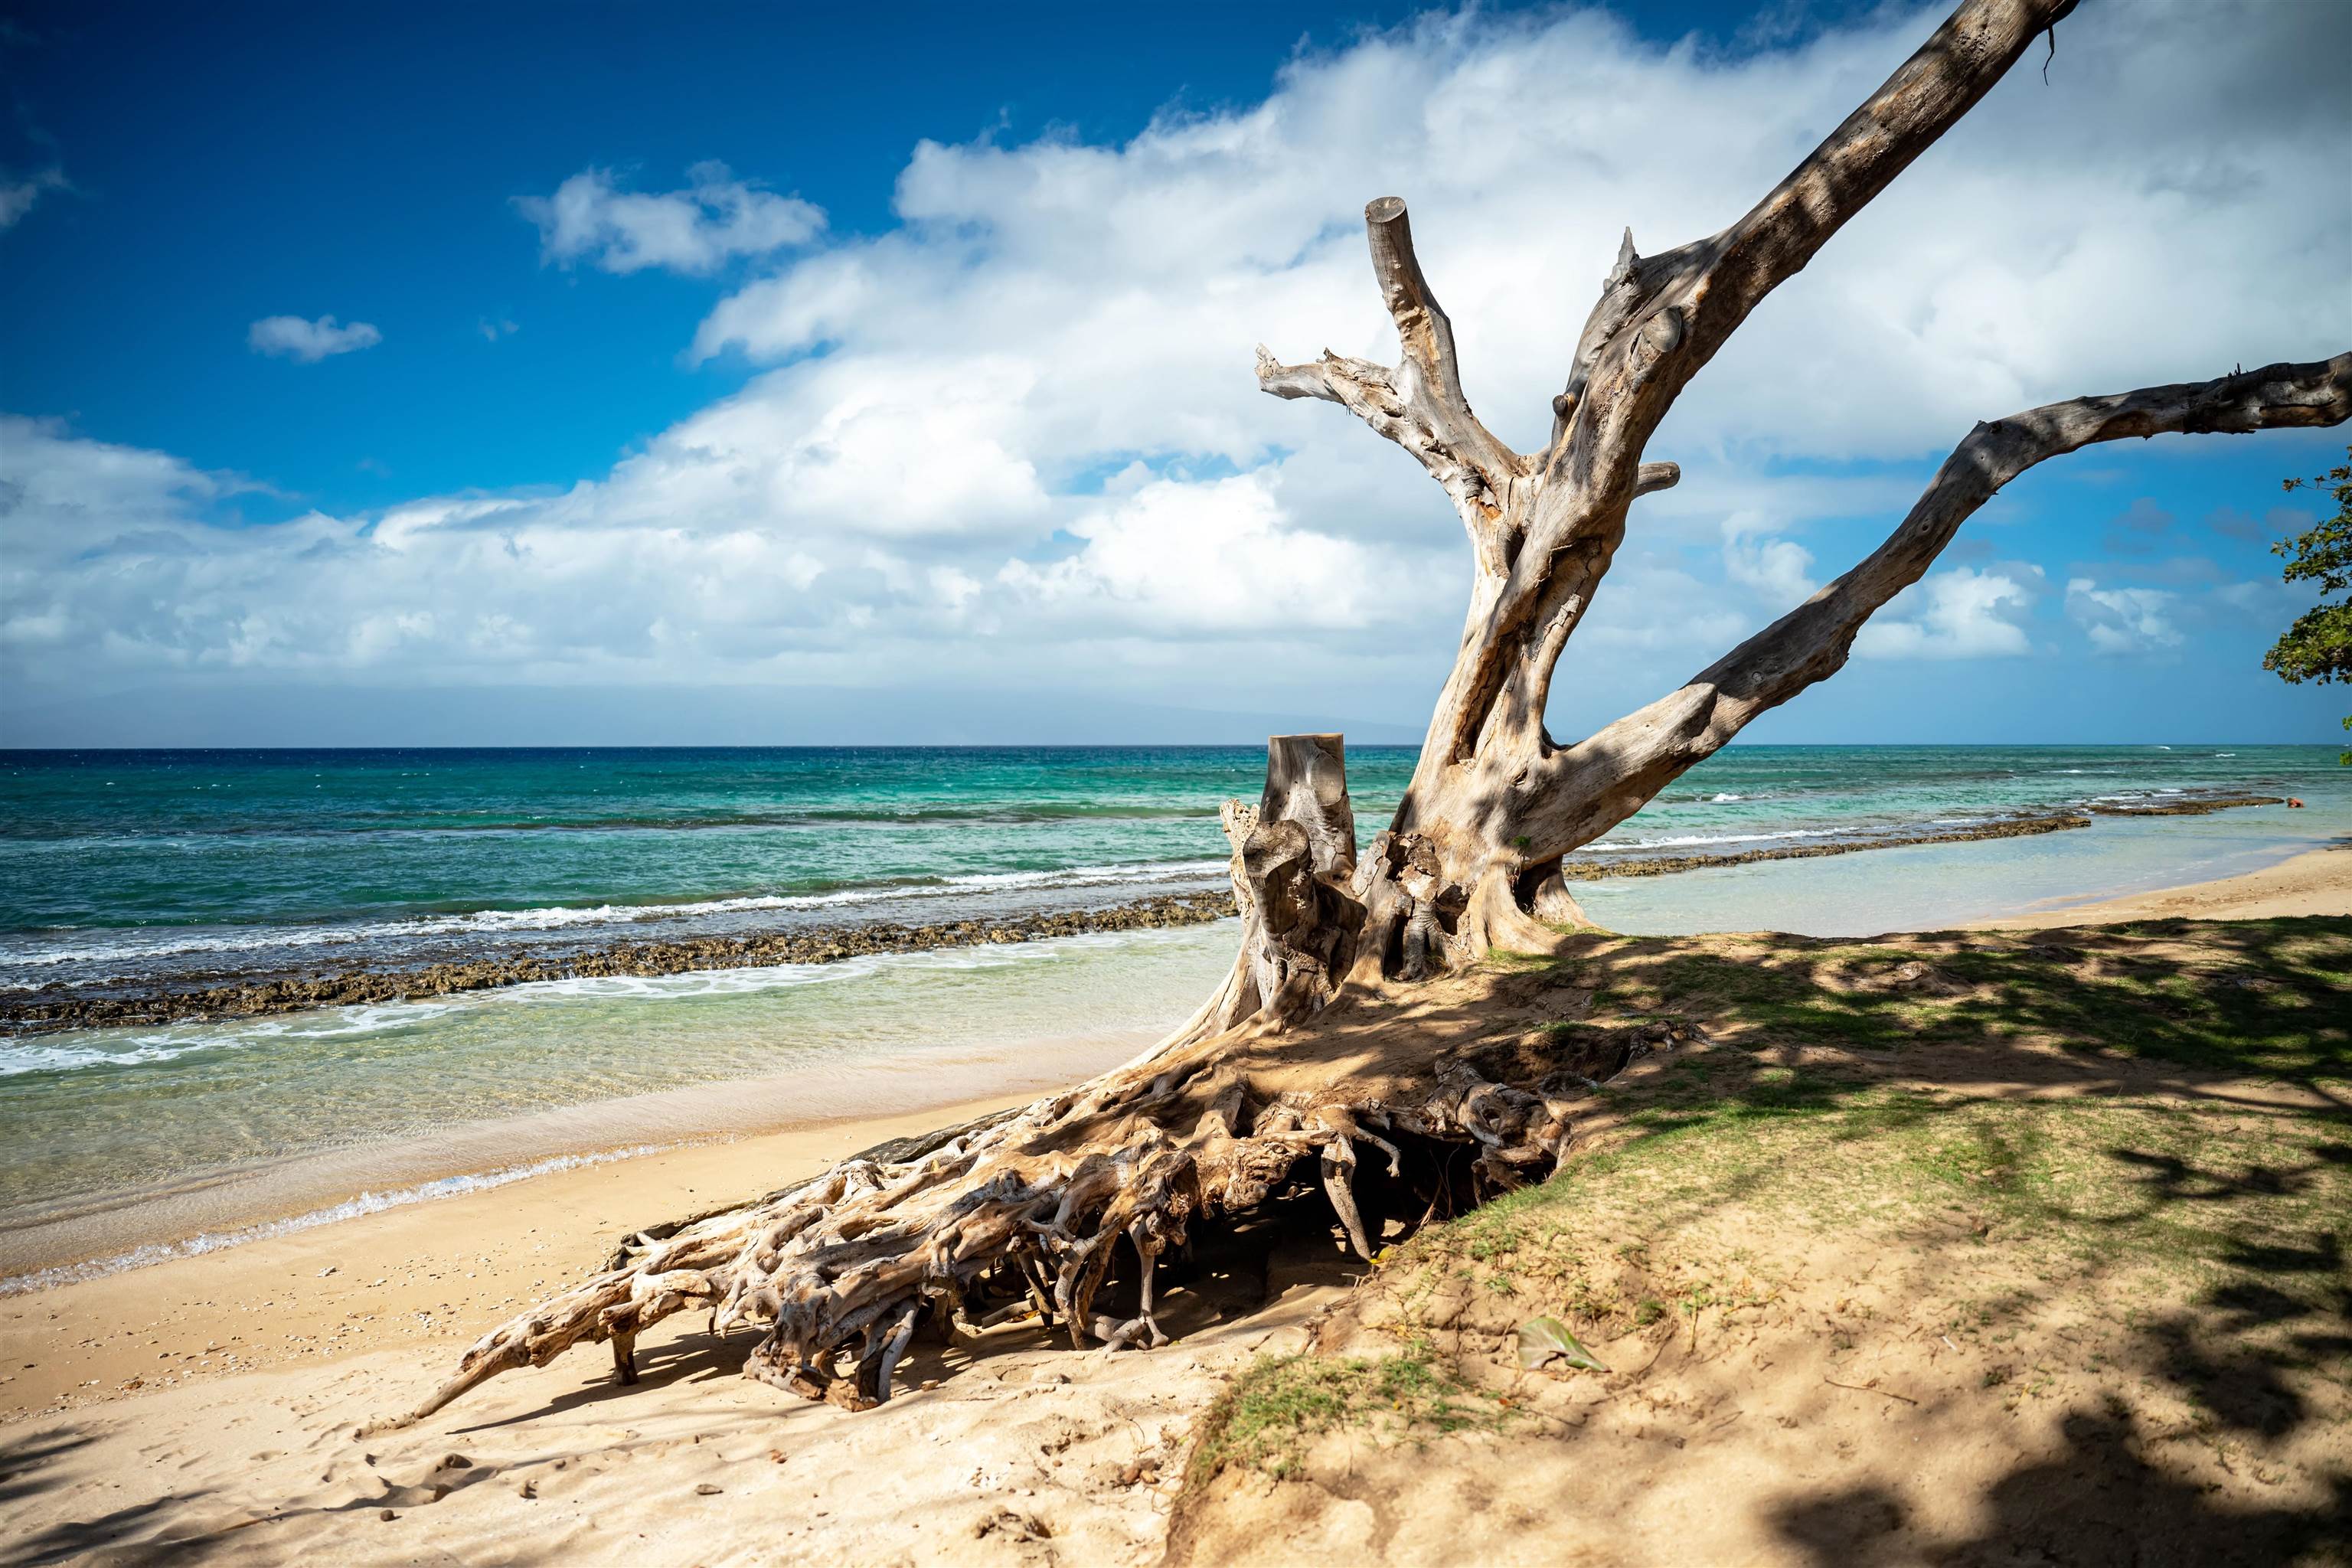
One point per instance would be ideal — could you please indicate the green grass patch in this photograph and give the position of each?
(2200, 1204)
(1266, 1420)
(2201, 1232)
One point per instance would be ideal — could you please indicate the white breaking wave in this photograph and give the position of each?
(1693, 840)
(169, 1044)
(351, 1208)
(1719, 799)
(559, 917)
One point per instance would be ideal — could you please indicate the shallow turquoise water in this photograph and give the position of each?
(122, 1137)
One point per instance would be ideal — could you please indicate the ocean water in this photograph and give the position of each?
(127, 869)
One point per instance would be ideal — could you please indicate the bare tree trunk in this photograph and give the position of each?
(1021, 1215)
(1031, 1208)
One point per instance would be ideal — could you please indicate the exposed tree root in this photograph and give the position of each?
(1024, 1215)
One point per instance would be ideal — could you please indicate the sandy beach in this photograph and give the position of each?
(218, 1393)
(2315, 882)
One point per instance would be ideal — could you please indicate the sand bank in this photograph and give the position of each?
(210, 1402)
(2315, 882)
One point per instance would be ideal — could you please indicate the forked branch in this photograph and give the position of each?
(1661, 319)
(1431, 371)
(1419, 404)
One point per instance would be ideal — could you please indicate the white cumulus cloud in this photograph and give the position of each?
(292, 337)
(1217, 557)
(1780, 570)
(714, 220)
(1960, 614)
(2123, 620)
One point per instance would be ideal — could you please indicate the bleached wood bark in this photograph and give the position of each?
(1030, 1207)
(1293, 858)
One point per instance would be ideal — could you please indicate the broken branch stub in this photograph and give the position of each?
(1294, 856)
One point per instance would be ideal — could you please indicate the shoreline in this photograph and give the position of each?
(28, 1012)
(2314, 882)
(428, 1274)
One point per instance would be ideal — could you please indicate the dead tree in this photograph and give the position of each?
(1027, 1212)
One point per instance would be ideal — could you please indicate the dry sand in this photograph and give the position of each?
(202, 1409)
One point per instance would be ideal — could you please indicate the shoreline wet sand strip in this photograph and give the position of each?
(28, 1011)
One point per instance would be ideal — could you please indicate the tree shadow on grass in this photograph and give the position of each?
(2245, 998)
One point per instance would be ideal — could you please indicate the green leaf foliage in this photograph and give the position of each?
(2318, 645)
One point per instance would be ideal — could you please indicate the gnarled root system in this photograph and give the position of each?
(1024, 1215)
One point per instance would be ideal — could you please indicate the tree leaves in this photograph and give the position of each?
(2318, 645)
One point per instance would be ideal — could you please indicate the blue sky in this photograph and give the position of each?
(932, 406)
(232, 164)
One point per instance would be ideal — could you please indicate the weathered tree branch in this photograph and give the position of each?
(1661, 319)
(1652, 477)
(1419, 404)
(1581, 792)
(1433, 374)
(1546, 537)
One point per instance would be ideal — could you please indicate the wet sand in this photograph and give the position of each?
(428, 1277)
